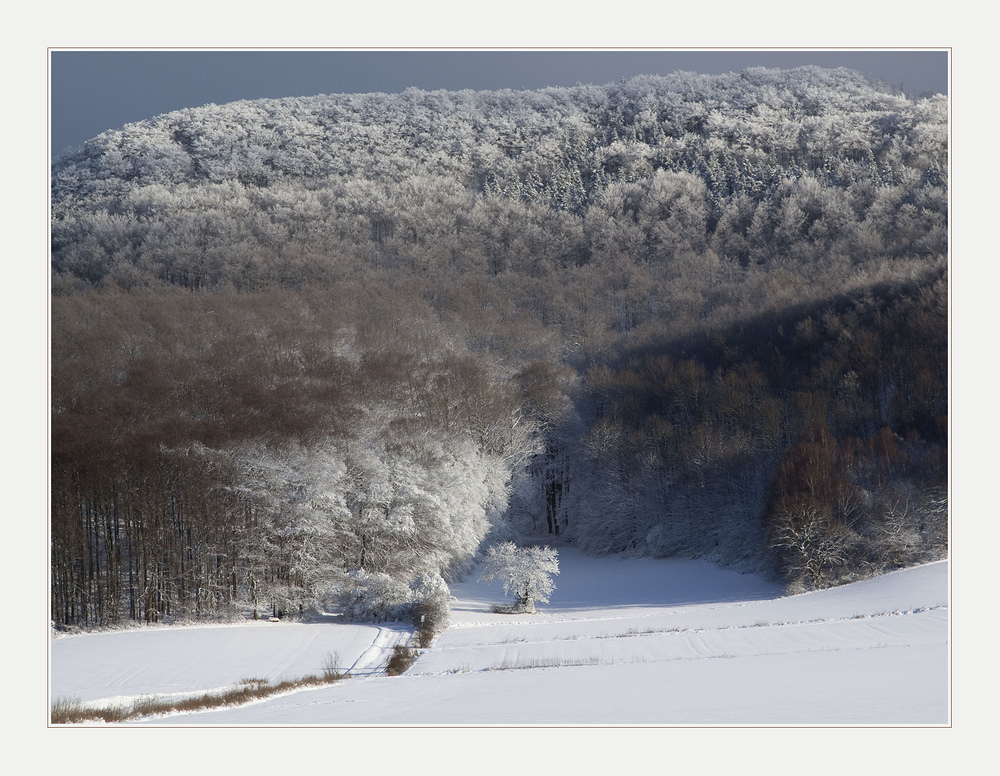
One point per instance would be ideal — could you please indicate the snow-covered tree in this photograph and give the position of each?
(526, 573)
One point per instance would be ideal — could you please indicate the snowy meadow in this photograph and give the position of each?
(622, 643)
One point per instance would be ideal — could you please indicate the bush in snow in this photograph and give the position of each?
(526, 573)
(402, 658)
(432, 609)
(376, 597)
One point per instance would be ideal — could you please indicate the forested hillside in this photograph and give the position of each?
(317, 351)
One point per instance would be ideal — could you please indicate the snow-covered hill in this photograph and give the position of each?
(623, 642)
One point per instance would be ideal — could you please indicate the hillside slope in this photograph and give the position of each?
(330, 348)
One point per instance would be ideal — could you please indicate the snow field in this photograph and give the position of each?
(634, 642)
(187, 660)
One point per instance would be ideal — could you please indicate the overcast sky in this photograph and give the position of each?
(92, 91)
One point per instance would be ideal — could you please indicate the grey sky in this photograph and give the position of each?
(92, 91)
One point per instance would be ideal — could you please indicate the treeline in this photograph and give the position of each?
(325, 346)
(215, 451)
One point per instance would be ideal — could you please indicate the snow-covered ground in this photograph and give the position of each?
(622, 642)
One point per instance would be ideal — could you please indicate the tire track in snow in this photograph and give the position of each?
(372, 661)
(635, 632)
(833, 634)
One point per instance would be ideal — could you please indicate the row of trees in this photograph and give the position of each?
(327, 346)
